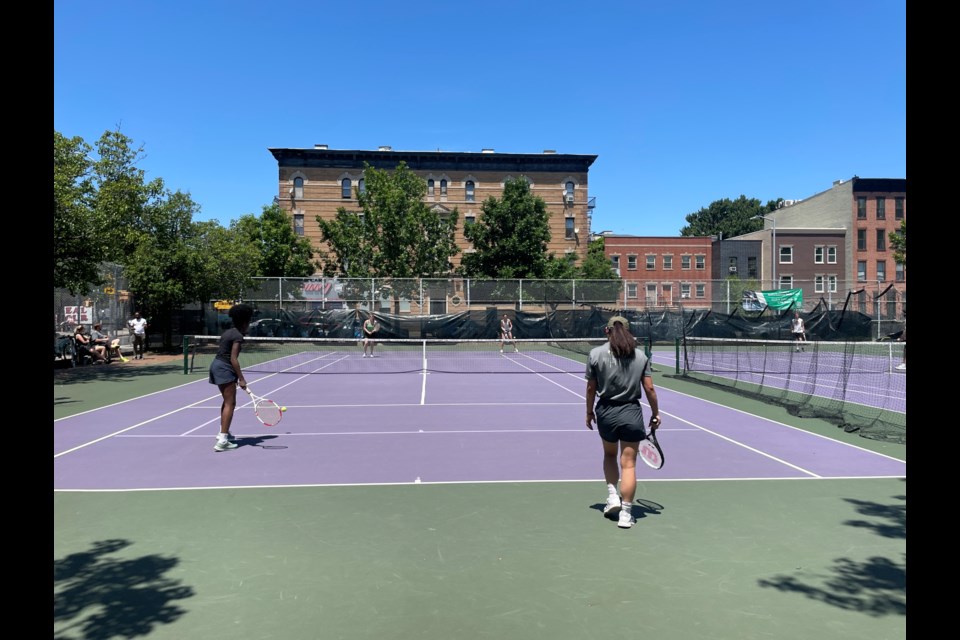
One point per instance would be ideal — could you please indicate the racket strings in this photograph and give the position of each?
(269, 412)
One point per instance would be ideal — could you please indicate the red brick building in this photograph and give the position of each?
(662, 271)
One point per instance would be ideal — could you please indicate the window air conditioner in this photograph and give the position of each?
(733, 269)
(568, 198)
(684, 296)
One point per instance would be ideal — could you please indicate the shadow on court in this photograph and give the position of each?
(98, 595)
(258, 441)
(875, 586)
(641, 508)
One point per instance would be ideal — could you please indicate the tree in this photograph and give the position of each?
(729, 217)
(510, 238)
(229, 259)
(282, 253)
(77, 246)
(596, 266)
(165, 268)
(898, 242)
(394, 235)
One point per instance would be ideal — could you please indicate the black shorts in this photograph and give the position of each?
(618, 421)
(222, 372)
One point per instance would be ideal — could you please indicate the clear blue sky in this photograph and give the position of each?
(684, 103)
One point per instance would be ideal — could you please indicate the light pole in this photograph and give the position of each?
(773, 250)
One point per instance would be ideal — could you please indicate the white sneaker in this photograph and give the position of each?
(626, 519)
(225, 445)
(612, 507)
(501, 350)
(902, 367)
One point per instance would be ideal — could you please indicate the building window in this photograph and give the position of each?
(732, 266)
(701, 290)
(469, 220)
(898, 208)
(832, 284)
(568, 189)
(632, 290)
(667, 292)
(684, 290)
(631, 263)
(430, 187)
(443, 187)
(361, 185)
(568, 229)
(470, 193)
(684, 262)
(298, 188)
(701, 262)
(881, 240)
(818, 255)
(668, 262)
(651, 295)
(881, 270)
(861, 270)
(861, 207)
(881, 208)
(786, 254)
(298, 222)
(345, 188)
(898, 272)
(818, 284)
(861, 239)
(786, 281)
(651, 263)
(615, 263)
(752, 267)
(832, 255)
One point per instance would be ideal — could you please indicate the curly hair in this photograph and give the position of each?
(240, 314)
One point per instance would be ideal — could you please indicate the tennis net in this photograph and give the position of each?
(340, 356)
(856, 385)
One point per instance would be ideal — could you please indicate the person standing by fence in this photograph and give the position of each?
(138, 325)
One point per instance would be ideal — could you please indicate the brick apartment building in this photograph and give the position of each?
(317, 181)
(838, 241)
(662, 271)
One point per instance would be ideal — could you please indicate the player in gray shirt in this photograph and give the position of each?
(618, 373)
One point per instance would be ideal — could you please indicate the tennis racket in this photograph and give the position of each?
(267, 411)
(650, 451)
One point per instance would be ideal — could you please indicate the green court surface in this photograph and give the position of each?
(737, 559)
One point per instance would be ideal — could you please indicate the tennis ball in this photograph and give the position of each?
(283, 408)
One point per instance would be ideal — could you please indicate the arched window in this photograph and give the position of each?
(298, 188)
(430, 187)
(470, 192)
(361, 186)
(345, 188)
(569, 188)
(443, 187)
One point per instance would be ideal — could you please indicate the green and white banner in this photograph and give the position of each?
(778, 299)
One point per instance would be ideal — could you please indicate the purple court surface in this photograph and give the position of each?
(422, 427)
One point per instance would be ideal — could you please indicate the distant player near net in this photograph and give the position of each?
(617, 371)
(798, 330)
(225, 371)
(370, 329)
(903, 338)
(506, 333)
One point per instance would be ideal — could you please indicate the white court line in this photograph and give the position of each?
(333, 485)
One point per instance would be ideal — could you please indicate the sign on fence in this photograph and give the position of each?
(78, 315)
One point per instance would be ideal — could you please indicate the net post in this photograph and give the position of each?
(186, 350)
(676, 342)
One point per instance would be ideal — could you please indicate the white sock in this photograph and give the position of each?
(612, 489)
(221, 437)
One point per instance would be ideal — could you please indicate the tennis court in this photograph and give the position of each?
(402, 497)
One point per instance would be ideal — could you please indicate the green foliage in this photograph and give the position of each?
(228, 258)
(394, 235)
(77, 247)
(510, 238)
(596, 266)
(729, 217)
(898, 242)
(282, 253)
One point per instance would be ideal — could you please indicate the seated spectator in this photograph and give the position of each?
(104, 345)
(85, 346)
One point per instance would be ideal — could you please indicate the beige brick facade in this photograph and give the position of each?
(316, 182)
